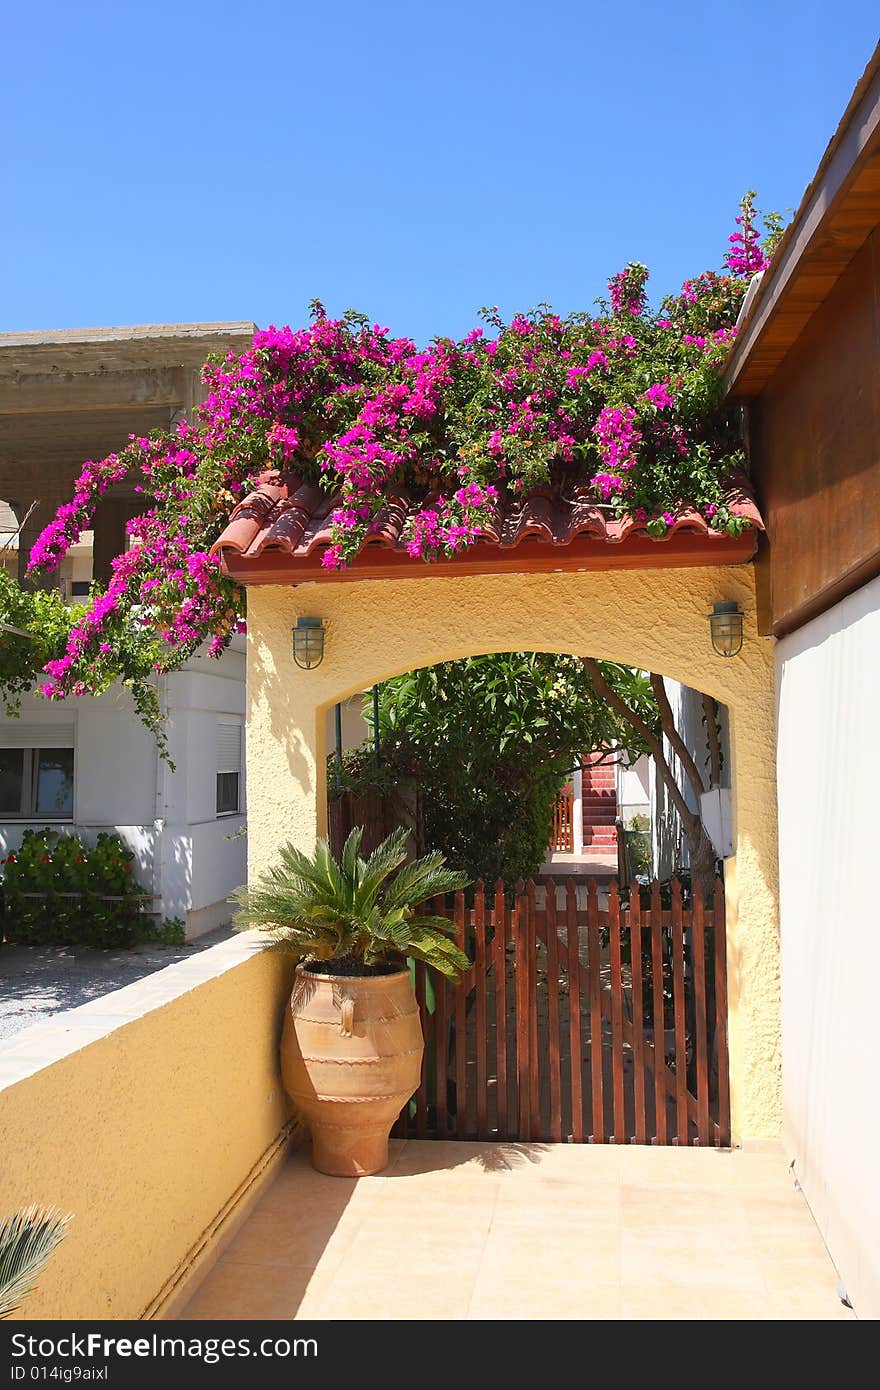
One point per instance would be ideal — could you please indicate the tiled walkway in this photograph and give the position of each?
(529, 1231)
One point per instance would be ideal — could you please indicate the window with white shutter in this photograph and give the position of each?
(36, 771)
(228, 767)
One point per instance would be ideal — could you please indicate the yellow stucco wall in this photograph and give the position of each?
(147, 1135)
(655, 619)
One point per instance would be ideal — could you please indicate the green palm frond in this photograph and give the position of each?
(381, 865)
(439, 924)
(423, 879)
(435, 950)
(27, 1240)
(366, 907)
(337, 886)
(350, 853)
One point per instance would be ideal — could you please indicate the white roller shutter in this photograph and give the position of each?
(17, 734)
(228, 747)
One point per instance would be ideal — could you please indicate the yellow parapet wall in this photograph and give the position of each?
(149, 1114)
(654, 619)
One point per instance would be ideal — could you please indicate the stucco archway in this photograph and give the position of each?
(654, 619)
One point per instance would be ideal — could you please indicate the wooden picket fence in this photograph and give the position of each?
(563, 822)
(552, 1034)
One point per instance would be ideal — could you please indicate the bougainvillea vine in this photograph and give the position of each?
(623, 404)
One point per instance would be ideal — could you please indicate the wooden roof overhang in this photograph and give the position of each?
(838, 212)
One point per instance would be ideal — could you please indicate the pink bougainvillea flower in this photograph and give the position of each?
(603, 404)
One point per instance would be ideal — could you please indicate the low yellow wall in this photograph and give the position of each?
(656, 620)
(164, 1109)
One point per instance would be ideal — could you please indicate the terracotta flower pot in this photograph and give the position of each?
(351, 1057)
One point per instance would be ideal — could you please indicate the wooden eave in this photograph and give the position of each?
(838, 212)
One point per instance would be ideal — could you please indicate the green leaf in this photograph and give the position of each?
(27, 1241)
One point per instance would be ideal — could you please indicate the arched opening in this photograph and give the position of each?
(595, 1007)
(604, 806)
(655, 622)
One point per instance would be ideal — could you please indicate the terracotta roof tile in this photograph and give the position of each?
(291, 518)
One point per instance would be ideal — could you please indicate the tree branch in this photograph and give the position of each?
(713, 741)
(605, 692)
(692, 772)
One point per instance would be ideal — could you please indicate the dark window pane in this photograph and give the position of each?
(227, 792)
(11, 779)
(54, 782)
(79, 588)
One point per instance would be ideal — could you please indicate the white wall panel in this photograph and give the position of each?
(828, 697)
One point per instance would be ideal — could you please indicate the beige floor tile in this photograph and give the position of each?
(682, 1235)
(650, 1206)
(297, 1184)
(529, 1231)
(411, 1295)
(571, 1162)
(583, 1226)
(789, 1240)
(661, 1302)
(375, 1253)
(422, 1189)
(799, 1275)
(762, 1172)
(314, 1305)
(541, 1261)
(788, 1222)
(300, 1237)
(810, 1308)
(670, 1260)
(468, 1159)
(567, 1190)
(248, 1292)
(690, 1169)
(505, 1299)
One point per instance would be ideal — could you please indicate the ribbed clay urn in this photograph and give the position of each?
(351, 1058)
(351, 1050)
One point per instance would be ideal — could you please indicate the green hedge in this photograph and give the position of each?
(58, 891)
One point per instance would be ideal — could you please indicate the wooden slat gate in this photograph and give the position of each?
(563, 821)
(578, 1022)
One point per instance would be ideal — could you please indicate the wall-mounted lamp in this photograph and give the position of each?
(726, 627)
(308, 643)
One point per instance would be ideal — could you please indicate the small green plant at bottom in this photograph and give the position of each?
(27, 1240)
(170, 932)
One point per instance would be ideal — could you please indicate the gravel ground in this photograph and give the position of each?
(38, 981)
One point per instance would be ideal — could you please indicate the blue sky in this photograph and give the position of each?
(192, 161)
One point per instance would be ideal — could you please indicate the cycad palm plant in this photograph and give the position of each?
(27, 1239)
(358, 913)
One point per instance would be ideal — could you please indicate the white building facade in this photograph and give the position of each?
(88, 765)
